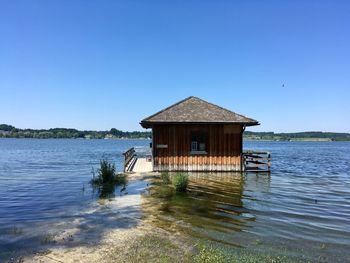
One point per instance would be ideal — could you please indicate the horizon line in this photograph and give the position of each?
(146, 130)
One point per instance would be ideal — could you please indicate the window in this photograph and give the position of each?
(198, 143)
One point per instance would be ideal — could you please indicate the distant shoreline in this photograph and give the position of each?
(296, 140)
(8, 131)
(87, 139)
(149, 139)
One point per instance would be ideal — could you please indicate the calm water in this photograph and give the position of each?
(302, 210)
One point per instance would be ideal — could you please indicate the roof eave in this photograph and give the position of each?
(150, 124)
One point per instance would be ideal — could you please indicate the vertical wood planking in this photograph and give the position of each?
(224, 148)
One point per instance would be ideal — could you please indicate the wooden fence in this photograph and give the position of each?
(254, 161)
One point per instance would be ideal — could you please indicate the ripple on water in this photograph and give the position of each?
(303, 207)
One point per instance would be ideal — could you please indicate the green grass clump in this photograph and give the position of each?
(165, 178)
(180, 182)
(107, 179)
(106, 173)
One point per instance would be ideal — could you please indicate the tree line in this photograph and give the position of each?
(333, 136)
(9, 131)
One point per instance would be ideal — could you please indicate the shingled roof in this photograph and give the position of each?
(193, 110)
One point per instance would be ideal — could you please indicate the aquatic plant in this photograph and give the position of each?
(15, 231)
(219, 253)
(153, 247)
(209, 254)
(107, 179)
(165, 178)
(180, 182)
(106, 172)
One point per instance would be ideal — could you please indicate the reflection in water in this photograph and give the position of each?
(304, 207)
(108, 190)
(212, 208)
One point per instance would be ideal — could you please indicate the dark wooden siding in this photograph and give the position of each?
(223, 146)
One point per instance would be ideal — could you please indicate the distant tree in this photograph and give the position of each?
(5, 127)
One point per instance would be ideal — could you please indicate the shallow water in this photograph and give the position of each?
(44, 190)
(301, 210)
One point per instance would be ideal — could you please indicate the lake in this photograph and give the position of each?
(301, 210)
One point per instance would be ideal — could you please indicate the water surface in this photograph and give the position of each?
(44, 190)
(301, 210)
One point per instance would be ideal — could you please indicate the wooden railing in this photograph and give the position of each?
(254, 161)
(128, 157)
(131, 155)
(143, 151)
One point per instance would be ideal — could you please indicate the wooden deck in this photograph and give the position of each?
(138, 160)
(142, 165)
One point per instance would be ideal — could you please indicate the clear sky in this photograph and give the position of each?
(103, 64)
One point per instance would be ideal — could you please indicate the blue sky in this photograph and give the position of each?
(103, 64)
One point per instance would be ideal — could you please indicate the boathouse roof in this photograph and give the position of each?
(193, 110)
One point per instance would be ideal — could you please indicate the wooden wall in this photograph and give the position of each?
(172, 147)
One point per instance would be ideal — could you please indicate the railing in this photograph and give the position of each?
(254, 161)
(143, 151)
(131, 155)
(128, 157)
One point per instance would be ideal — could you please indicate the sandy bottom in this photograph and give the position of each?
(140, 244)
(99, 252)
(88, 239)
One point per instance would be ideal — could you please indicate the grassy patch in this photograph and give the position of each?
(107, 179)
(106, 174)
(165, 178)
(180, 182)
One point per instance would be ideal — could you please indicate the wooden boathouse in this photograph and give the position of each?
(195, 135)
